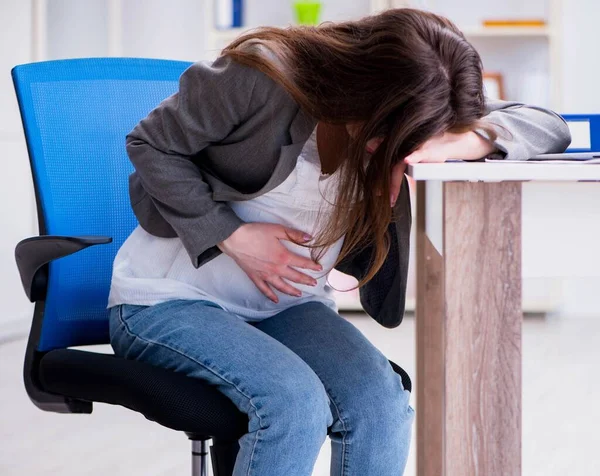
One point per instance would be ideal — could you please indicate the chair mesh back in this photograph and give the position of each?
(76, 114)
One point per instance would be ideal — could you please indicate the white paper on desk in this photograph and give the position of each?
(545, 162)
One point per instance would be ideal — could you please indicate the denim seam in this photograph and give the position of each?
(149, 341)
(344, 444)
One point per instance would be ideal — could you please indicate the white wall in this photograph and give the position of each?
(77, 28)
(17, 207)
(577, 230)
(163, 29)
(581, 60)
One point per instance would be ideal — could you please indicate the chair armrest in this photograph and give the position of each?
(32, 254)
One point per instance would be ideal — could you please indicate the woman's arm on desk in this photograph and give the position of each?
(525, 131)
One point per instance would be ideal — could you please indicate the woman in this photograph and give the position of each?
(281, 160)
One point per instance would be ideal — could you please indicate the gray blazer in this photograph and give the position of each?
(231, 133)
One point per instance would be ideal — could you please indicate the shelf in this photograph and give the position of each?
(507, 32)
(230, 34)
(223, 37)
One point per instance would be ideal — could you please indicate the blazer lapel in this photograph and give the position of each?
(300, 130)
(302, 127)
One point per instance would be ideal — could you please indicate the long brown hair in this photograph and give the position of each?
(404, 74)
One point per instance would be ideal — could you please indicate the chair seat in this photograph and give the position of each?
(168, 398)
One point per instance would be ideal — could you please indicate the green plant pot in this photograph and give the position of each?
(307, 13)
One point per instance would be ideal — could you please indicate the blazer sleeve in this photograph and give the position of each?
(525, 131)
(211, 101)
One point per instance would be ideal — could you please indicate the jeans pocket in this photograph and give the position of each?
(115, 325)
(122, 317)
(128, 310)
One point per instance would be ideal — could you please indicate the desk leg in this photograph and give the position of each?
(469, 330)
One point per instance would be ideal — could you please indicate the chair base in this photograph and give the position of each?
(199, 454)
(222, 455)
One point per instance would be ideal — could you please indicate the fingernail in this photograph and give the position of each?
(307, 237)
(314, 283)
(392, 199)
(298, 294)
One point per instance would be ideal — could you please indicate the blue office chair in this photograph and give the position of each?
(76, 114)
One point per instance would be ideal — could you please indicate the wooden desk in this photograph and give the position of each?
(468, 315)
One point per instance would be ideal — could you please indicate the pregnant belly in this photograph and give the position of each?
(222, 279)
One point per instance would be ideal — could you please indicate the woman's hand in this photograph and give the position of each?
(463, 146)
(257, 249)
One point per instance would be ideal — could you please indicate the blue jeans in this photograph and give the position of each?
(294, 374)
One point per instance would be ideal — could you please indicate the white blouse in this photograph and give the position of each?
(148, 270)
